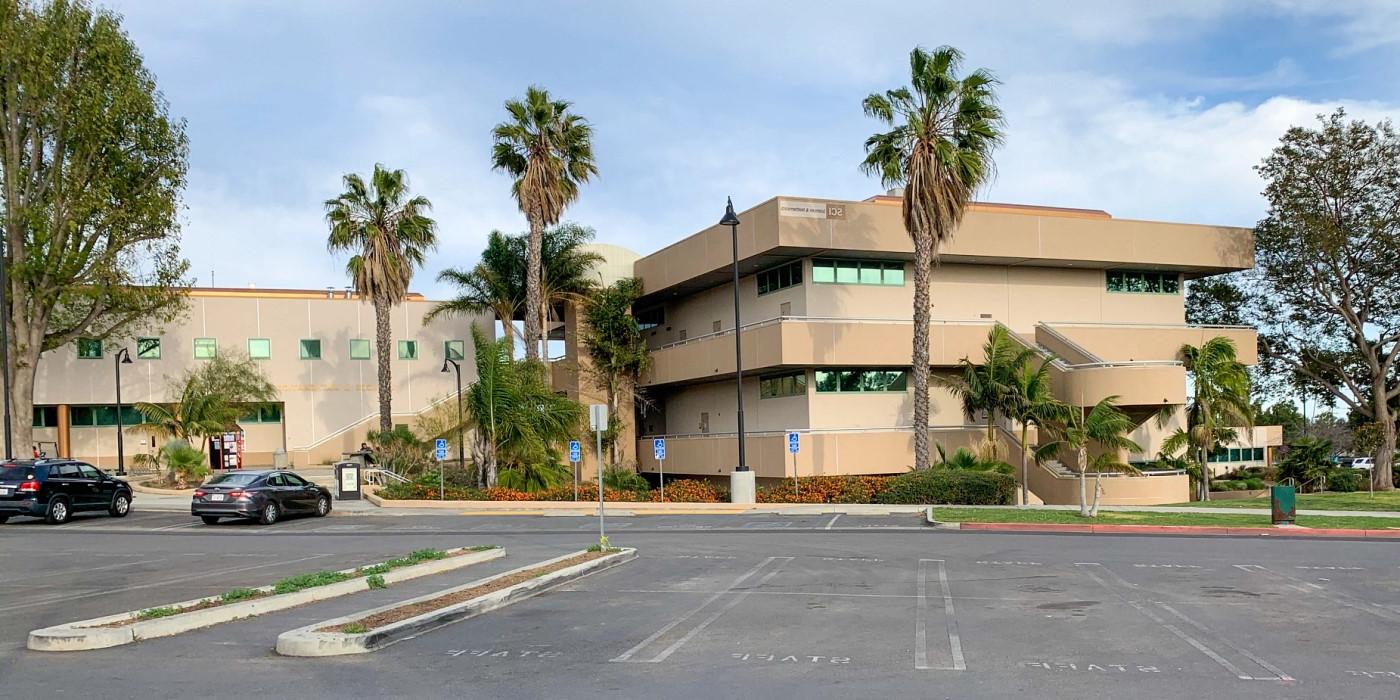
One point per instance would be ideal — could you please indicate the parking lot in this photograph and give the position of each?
(724, 606)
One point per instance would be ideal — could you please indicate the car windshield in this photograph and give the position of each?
(234, 479)
(16, 473)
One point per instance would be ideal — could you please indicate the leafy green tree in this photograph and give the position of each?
(549, 152)
(1325, 292)
(1106, 427)
(943, 130)
(617, 350)
(1031, 402)
(1307, 462)
(1284, 413)
(183, 464)
(495, 285)
(209, 399)
(519, 422)
(987, 388)
(388, 233)
(91, 169)
(1219, 403)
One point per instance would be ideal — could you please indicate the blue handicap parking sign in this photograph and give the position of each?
(575, 451)
(793, 442)
(658, 447)
(441, 449)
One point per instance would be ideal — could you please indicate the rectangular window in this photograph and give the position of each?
(148, 348)
(408, 349)
(1142, 282)
(259, 348)
(205, 348)
(89, 348)
(105, 415)
(80, 415)
(454, 349)
(776, 386)
(359, 349)
(844, 271)
(648, 319)
(781, 277)
(861, 380)
(46, 416)
(269, 413)
(310, 349)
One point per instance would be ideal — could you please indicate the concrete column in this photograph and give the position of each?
(65, 426)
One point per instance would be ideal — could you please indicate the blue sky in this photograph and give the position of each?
(1144, 111)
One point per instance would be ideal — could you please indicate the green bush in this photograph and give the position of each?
(1346, 480)
(297, 583)
(624, 479)
(237, 594)
(949, 487)
(376, 581)
(1255, 484)
(153, 613)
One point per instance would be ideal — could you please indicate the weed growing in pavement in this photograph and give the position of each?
(376, 581)
(154, 613)
(354, 628)
(302, 582)
(237, 594)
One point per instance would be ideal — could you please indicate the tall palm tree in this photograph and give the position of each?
(1106, 426)
(1219, 402)
(569, 274)
(549, 152)
(388, 234)
(942, 134)
(495, 285)
(1031, 402)
(986, 388)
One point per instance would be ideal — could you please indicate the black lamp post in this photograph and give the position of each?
(732, 221)
(461, 424)
(123, 357)
(5, 348)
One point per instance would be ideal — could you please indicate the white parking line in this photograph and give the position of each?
(833, 521)
(83, 570)
(950, 621)
(1342, 599)
(626, 657)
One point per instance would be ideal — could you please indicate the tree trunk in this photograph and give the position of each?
(382, 339)
(612, 413)
(1025, 467)
(923, 270)
(1083, 493)
(1098, 491)
(1203, 455)
(1382, 470)
(24, 363)
(533, 324)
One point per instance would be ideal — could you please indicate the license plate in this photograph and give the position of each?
(4, 492)
(216, 497)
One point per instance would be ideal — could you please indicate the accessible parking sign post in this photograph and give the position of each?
(598, 421)
(575, 456)
(794, 443)
(440, 451)
(658, 449)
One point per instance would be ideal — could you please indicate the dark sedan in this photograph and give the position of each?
(265, 496)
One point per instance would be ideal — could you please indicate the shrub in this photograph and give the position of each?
(354, 628)
(1254, 484)
(184, 464)
(624, 479)
(237, 594)
(376, 581)
(153, 613)
(293, 584)
(825, 489)
(690, 491)
(1346, 480)
(949, 487)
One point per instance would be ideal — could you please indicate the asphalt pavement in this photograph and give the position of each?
(729, 606)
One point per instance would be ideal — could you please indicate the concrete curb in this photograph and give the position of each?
(641, 508)
(1169, 530)
(89, 634)
(306, 641)
(141, 487)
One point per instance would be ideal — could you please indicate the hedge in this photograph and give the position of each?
(949, 487)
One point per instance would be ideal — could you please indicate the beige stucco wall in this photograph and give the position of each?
(329, 403)
(1117, 490)
(1145, 341)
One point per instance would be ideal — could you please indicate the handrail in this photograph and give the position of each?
(1074, 475)
(371, 474)
(819, 319)
(1067, 341)
(815, 431)
(1141, 324)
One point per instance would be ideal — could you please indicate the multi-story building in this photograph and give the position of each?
(316, 347)
(826, 294)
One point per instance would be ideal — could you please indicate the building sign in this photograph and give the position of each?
(811, 210)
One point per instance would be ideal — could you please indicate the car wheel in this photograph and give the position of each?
(323, 507)
(210, 519)
(121, 505)
(58, 512)
(4, 519)
(269, 514)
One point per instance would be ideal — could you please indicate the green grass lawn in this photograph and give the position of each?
(1361, 500)
(1030, 515)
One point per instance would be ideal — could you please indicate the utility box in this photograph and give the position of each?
(347, 481)
(1284, 504)
(279, 458)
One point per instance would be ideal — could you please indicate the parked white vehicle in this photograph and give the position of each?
(1363, 463)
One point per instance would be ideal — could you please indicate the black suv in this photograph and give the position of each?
(55, 489)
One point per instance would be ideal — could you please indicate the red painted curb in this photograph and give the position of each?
(1193, 530)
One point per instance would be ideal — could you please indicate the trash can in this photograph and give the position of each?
(347, 481)
(1284, 504)
(279, 458)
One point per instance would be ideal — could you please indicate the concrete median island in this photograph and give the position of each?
(1032, 519)
(373, 629)
(239, 603)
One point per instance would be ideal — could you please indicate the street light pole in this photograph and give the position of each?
(461, 422)
(123, 357)
(732, 221)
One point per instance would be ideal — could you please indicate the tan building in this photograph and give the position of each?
(317, 348)
(826, 292)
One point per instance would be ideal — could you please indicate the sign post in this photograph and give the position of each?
(658, 448)
(794, 443)
(440, 451)
(575, 456)
(598, 421)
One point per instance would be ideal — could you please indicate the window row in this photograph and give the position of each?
(102, 416)
(261, 349)
(780, 277)
(848, 271)
(1143, 282)
(851, 380)
(778, 385)
(1238, 454)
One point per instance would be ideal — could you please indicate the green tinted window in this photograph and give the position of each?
(847, 271)
(259, 348)
(454, 349)
(862, 380)
(781, 277)
(89, 348)
(408, 349)
(359, 349)
(310, 349)
(205, 348)
(1142, 281)
(780, 385)
(824, 271)
(148, 348)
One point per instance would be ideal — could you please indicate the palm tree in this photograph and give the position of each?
(1031, 402)
(549, 152)
(986, 388)
(1219, 401)
(1106, 426)
(211, 397)
(388, 233)
(569, 268)
(495, 285)
(939, 148)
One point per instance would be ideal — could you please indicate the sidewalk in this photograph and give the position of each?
(1211, 511)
